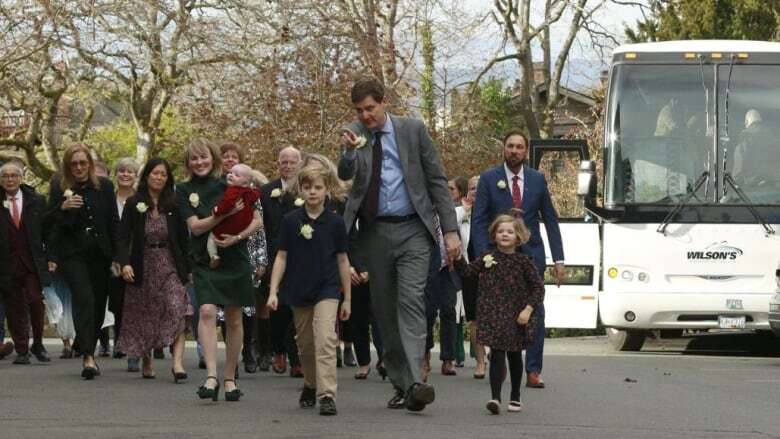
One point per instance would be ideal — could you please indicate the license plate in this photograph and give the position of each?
(725, 322)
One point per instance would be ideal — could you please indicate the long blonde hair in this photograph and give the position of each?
(67, 181)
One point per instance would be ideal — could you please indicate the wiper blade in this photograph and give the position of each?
(749, 204)
(682, 203)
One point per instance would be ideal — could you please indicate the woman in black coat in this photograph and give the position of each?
(82, 211)
(153, 239)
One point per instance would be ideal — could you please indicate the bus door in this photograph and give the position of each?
(575, 303)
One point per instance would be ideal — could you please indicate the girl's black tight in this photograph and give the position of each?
(498, 360)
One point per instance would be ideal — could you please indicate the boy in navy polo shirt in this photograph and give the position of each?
(311, 271)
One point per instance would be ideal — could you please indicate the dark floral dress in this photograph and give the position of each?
(505, 288)
(154, 312)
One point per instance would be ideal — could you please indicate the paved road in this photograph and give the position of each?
(667, 395)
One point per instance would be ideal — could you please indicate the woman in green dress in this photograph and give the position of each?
(230, 284)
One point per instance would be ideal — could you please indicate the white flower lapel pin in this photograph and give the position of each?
(194, 199)
(276, 193)
(141, 207)
(299, 202)
(489, 261)
(307, 231)
(501, 184)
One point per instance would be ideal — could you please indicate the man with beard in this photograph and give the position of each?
(512, 187)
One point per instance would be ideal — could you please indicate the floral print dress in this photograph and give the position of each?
(506, 284)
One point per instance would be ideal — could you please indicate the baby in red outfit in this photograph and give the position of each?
(239, 181)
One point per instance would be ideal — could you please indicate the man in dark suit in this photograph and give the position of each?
(398, 183)
(277, 201)
(21, 223)
(512, 185)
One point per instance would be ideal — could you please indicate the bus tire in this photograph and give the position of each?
(626, 340)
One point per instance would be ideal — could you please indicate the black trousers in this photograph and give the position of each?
(88, 276)
(440, 298)
(360, 320)
(283, 333)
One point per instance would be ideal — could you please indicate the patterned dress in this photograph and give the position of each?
(505, 288)
(155, 312)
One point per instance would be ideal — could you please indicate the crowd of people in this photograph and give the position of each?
(371, 250)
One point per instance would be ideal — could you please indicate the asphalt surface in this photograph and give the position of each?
(670, 390)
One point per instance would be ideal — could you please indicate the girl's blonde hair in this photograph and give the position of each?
(523, 235)
(201, 146)
(336, 187)
(66, 179)
(258, 178)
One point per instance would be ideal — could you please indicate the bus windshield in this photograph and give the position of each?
(658, 137)
(661, 127)
(752, 149)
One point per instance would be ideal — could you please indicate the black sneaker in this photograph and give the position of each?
(40, 353)
(398, 401)
(308, 398)
(22, 358)
(328, 406)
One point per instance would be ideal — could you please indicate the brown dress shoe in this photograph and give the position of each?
(535, 380)
(279, 363)
(448, 368)
(6, 349)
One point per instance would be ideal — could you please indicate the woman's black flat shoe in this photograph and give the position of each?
(233, 395)
(362, 375)
(207, 392)
(89, 372)
(179, 376)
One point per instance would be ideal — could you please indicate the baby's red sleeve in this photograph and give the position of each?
(227, 202)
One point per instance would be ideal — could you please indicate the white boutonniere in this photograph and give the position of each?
(276, 193)
(7, 204)
(501, 184)
(307, 231)
(141, 207)
(489, 261)
(194, 199)
(299, 202)
(361, 141)
(68, 193)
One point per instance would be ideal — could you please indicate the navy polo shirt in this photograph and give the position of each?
(312, 272)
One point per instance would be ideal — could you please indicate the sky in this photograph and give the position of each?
(473, 51)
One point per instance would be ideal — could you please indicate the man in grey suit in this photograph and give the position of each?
(399, 184)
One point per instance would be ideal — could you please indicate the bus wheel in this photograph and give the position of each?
(626, 339)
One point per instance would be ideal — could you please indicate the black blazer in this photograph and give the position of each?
(69, 227)
(274, 209)
(132, 239)
(33, 208)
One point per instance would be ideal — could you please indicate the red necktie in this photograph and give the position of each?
(15, 212)
(517, 197)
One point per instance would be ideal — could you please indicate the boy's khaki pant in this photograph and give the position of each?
(317, 341)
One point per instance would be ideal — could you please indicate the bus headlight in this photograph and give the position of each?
(643, 277)
(612, 272)
(627, 275)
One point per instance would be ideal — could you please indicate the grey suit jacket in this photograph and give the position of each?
(422, 169)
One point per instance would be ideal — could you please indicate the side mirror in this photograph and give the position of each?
(586, 179)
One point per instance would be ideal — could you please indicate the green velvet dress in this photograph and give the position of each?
(230, 283)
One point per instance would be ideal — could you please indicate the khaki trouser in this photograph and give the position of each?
(317, 341)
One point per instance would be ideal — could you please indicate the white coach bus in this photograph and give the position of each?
(684, 237)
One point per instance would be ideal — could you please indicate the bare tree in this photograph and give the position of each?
(541, 71)
(149, 49)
